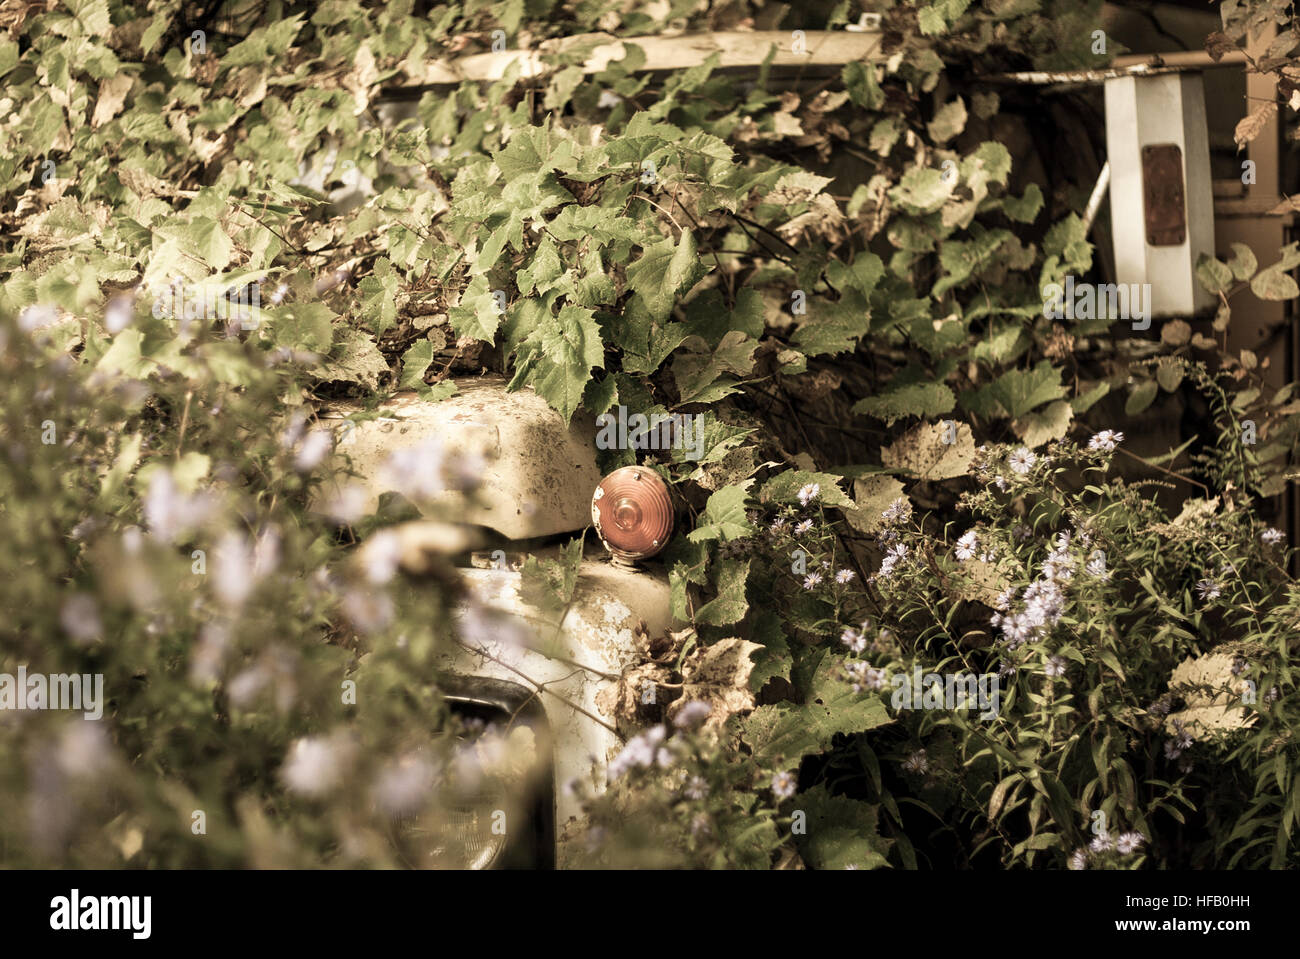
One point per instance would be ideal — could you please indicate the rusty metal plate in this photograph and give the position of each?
(1163, 194)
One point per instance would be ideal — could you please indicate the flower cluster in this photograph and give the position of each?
(863, 676)
(896, 555)
(642, 751)
(1044, 605)
(1179, 744)
(1106, 441)
(1102, 844)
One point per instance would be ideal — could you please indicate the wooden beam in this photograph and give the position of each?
(820, 48)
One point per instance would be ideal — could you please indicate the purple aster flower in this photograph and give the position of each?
(1129, 842)
(853, 639)
(696, 788)
(899, 511)
(1102, 843)
(917, 763)
(692, 715)
(784, 785)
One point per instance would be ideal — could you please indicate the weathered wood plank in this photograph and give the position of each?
(735, 49)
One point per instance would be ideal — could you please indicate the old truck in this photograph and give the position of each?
(538, 477)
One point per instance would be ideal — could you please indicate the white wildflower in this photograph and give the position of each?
(314, 766)
(967, 545)
(1022, 460)
(1106, 441)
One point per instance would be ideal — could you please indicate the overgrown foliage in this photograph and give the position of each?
(670, 245)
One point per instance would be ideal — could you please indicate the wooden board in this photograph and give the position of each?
(736, 49)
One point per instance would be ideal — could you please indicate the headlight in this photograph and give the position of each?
(461, 835)
(502, 812)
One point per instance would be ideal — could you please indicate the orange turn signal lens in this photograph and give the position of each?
(633, 513)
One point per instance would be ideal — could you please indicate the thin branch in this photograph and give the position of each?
(540, 687)
(1180, 476)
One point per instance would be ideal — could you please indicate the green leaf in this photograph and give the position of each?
(1214, 275)
(931, 21)
(841, 832)
(948, 121)
(834, 327)
(549, 584)
(1067, 244)
(916, 399)
(355, 359)
(1051, 423)
(730, 604)
(645, 342)
(533, 151)
(664, 270)
(724, 515)
(438, 391)
(210, 241)
(558, 356)
(991, 158)
(860, 80)
(783, 733)
(379, 295)
(962, 259)
(922, 190)
(477, 315)
(304, 326)
(1016, 392)
(1027, 208)
(543, 269)
(1243, 262)
(698, 375)
(784, 488)
(1084, 401)
(1141, 397)
(415, 362)
(774, 660)
(1274, 283)
(158, 25)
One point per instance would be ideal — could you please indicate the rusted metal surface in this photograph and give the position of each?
(1164, 199)
(572, 660)
(633, 513)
